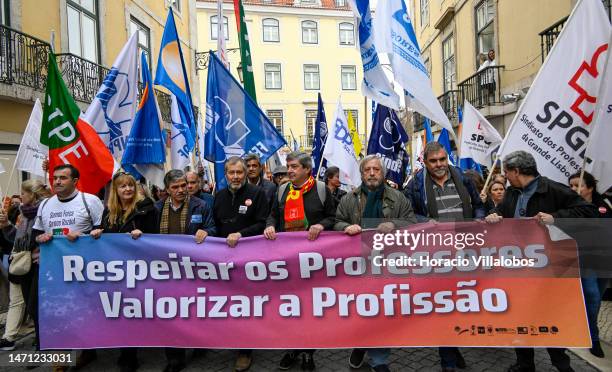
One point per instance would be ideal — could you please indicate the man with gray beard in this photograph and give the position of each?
(373, 205)
(240, 210)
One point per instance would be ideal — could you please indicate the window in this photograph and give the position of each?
(176, 5)
(427, 64)
(448, 63)
(424, 13)
(83, 28)
(348, 78)
(5, 9)
(485, 13)
(311, 119)
(273, 75)
(276, 117)
(311, 77)
(340, 3)
(270, 29)
(213, 28)
(347, 34)
(354, 114)
(309, 32)
(144, 38)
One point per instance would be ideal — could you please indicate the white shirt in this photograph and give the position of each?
(61, 217)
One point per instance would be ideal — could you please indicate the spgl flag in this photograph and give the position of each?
(318, 144)
(70, 139)
(387, 141)
(235, 125)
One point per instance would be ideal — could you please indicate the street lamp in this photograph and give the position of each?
(239, 69)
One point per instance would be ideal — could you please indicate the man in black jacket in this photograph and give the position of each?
(255, 176)
(240, 210)
(194, 188)
(532, 195)
(311, 208)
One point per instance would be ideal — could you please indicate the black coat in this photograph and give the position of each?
(143, 218)
(550, 197)
(603, 208)
(244, 211)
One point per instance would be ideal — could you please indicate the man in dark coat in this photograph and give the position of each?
(255, 176)
(194, 188)
(533, 195)
(240, 210)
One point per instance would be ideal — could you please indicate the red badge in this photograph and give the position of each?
(602, 210)
(248, 202)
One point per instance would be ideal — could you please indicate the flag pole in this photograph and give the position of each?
(319, 168)
(486, 184)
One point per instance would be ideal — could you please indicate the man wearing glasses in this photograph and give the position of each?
(240, 210)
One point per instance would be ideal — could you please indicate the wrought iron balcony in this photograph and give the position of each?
(23, 59)
(305, 142)
(483, 88)
(450, 102)
(82, 77)
(548, 37)
(201, 58)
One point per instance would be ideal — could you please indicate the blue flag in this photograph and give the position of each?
(320, 137)
(171, 73)
(444, 140)
(145, 143)
(428, 134)
(387, 140)
(235, 125)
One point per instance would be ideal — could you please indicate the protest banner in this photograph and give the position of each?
(464, 284)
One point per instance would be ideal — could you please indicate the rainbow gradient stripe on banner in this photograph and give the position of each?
(330, 293)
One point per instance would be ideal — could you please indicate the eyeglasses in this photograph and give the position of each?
(119, 174)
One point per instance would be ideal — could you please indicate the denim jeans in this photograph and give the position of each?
(593, 289)
(378, 356)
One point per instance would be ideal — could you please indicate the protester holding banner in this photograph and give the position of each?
(303, 204)
(255, 176)
(593, 287)
(443, 192)
(332, 181)
(533, 195)
(182, 214)
(130, 212)
(194, 188)
(20, 235)
(85, 211)
(240, 210)
(374, 201)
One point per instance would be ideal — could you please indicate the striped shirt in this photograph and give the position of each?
(450, 207)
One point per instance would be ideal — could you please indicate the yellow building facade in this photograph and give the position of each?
(453, 34)
(87, 36)
(298, 48)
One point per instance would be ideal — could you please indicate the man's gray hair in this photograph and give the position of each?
(370, 157)
(432, 147)
(303, 158)
(523, 161)
(172, 176)
(249, 157)
(233, 160)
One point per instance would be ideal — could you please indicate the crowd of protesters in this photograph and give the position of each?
(252, 205)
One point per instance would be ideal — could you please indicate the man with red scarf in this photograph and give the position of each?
(303, 204)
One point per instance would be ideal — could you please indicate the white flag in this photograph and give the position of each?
(339, 150)
(179, 156)
(375, 84)
(479, 139)
(32, 153)
(394, 34)
(2, 170)
(417, 158)
(599, 150)
(553, 121)
(221, 49)
(113, 110)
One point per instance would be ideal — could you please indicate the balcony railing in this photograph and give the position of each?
(483, 88)
(548, 37)
(450, 101)
(24, 61)
(305, 142)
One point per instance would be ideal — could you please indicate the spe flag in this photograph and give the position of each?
(235, 125)
(339, 150)
(553, 121)
(387, 140)
(479, 139)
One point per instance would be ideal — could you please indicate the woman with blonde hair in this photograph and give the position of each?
(22, 284)
(128, 211)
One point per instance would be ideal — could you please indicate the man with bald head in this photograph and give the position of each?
(194, 188)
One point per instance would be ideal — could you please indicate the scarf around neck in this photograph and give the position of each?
(295, 216)
(163, 224)
(373, 207)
